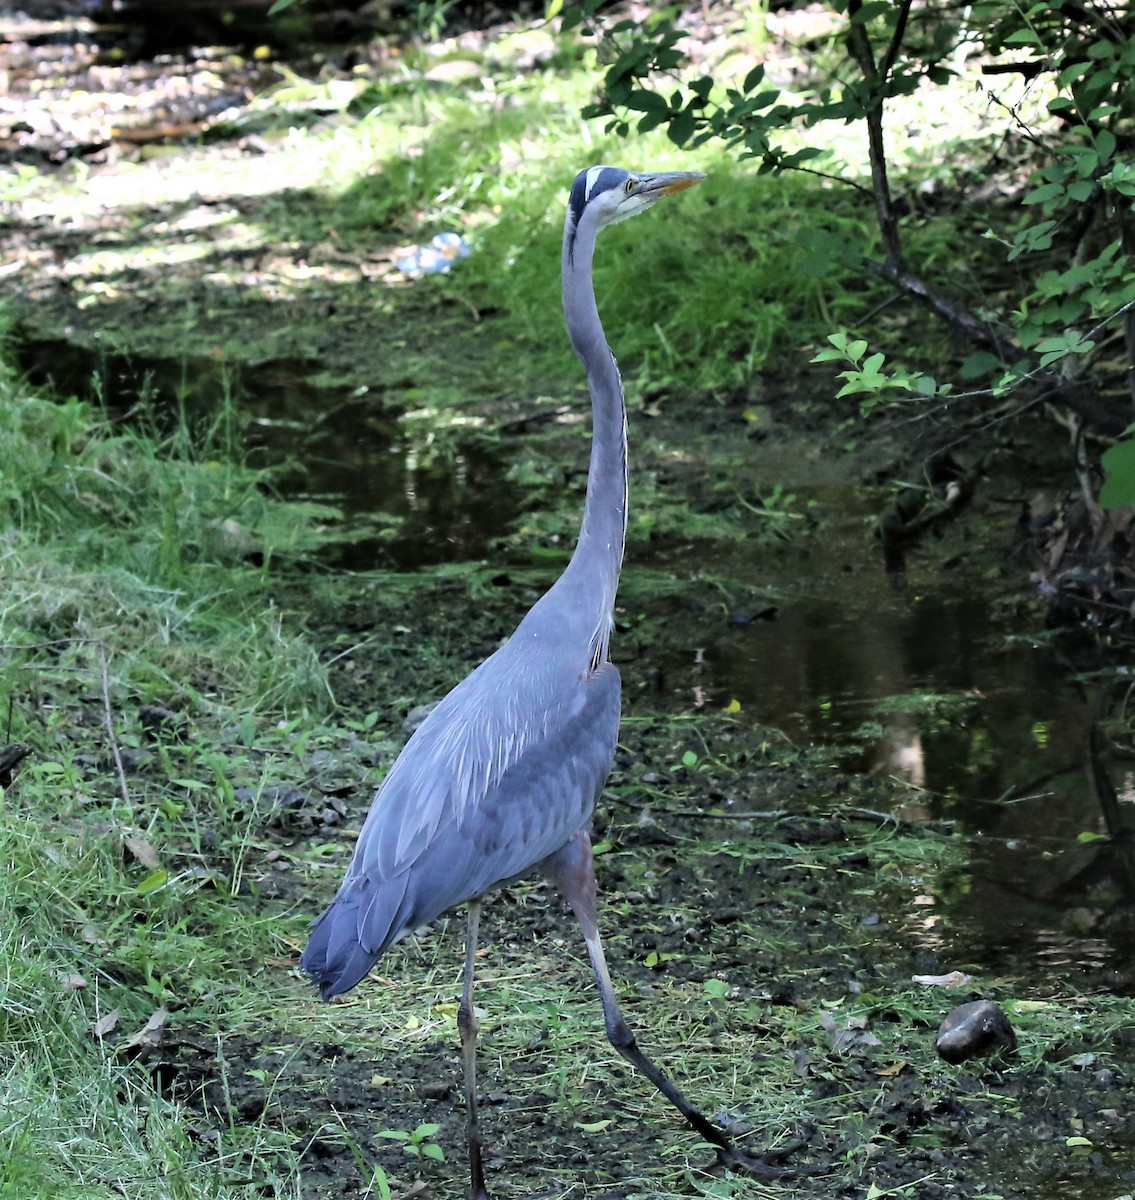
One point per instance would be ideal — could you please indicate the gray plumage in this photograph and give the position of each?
(507, 768)
(502, 776)
(498, 777)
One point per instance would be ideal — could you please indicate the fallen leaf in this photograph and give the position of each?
(106, 1024)
(149, 1037)
(143, 852)
(955, 979)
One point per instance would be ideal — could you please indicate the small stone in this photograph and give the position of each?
(975, 1029)
(156, 718)
(416, 716)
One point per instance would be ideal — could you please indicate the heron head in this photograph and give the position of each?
(607, 195)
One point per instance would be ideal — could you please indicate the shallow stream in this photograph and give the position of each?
(907, 675)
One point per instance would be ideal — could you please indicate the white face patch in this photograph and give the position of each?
(607, 189)
(593, 174)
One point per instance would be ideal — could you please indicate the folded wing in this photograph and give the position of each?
(482, 792)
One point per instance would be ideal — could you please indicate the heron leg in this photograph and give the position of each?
(572, 870)
(467, 1026)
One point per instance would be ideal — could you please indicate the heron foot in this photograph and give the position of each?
(768, 1164)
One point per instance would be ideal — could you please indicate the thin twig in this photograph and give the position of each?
(1021, 791)
(109, 717)
(896, 41)
(1096, 330)
(985, 426)
(772, 814)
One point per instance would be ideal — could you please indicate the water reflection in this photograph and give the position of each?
(920, 684)
(415, 488)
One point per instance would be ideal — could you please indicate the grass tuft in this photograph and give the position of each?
(139, 569)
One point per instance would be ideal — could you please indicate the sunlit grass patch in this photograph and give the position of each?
(699, 295)
(700, 292)
(158, 549)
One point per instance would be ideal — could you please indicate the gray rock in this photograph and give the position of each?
(975, 1029)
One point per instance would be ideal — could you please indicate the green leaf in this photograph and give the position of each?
(1105, 143)
(153, 881)
(643, 101)
(852, 388)
(1044, 193)
(1119, 463)
(689, 759)
(1073, 72)
(978, 365)
(1081, 190)
(681, 128)
(871, 10)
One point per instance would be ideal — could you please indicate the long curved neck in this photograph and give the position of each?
(598, 555)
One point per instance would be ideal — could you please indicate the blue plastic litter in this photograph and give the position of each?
(434, 259)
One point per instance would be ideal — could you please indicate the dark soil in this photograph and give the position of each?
(772, 879)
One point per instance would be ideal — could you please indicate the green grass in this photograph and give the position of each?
(697, 294)
(80, 1118)
(153, 890)
(121, 589)
(700, 292)
(141, 566)
(775, 260)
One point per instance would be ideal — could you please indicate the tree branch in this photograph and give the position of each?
(859, 46)
(1076, 395)
(973, 328)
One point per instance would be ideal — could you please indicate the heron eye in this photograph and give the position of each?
(628, 187)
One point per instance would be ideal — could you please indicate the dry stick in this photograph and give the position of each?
(108, 716)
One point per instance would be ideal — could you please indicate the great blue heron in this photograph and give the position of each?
(502, 776)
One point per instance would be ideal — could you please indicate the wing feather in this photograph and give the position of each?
(496, 779)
